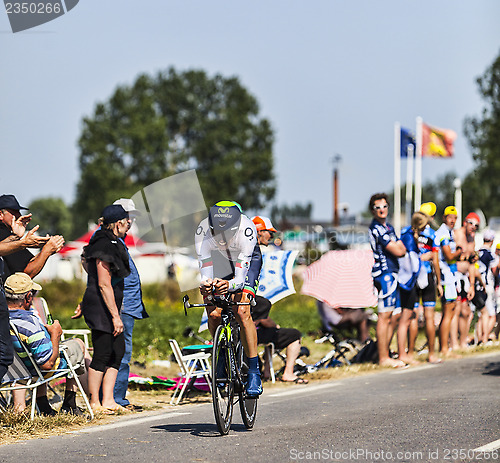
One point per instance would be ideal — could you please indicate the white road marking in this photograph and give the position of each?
(306, 388)
(133, 422)
(489, 447)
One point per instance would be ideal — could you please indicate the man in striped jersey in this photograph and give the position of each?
(43, 342)
(386, 249)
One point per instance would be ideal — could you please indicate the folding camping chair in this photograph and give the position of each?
(192, 366)
(42, 309)
(19, 376)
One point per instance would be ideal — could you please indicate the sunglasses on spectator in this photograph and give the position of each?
(379, 208)
(476, 225)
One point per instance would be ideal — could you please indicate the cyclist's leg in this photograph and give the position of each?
(248, 332)
(248, 335)
(214, 318)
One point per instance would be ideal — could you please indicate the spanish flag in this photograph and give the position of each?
(437, 143)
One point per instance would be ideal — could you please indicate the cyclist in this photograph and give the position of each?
(230, 262)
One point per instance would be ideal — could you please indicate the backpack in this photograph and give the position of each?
(369, 353)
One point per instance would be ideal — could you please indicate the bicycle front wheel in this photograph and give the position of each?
(248, 406)
(222, 384)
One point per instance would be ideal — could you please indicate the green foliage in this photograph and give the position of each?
(52, 215)
(168, 123)
(62, 296)
(483, 132)
(166, 316)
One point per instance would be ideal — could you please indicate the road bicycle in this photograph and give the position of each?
(229, 367)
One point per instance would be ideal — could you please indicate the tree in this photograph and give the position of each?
(482, 185)
(167, 124)
(52, 215)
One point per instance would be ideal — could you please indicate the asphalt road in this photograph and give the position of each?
(433, 413)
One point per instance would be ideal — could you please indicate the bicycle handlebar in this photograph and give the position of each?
(219, 301)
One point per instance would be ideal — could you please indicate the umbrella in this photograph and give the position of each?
(342, 279)
(276, 275)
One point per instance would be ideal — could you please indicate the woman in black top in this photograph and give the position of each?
(106, 261)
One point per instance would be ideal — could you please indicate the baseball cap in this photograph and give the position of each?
(428, 208)
(473, 216)
(129, 206)
(10, 202)
(488, 235)
(113, 213)
(20, 283)
(263, 223)
(450, 210)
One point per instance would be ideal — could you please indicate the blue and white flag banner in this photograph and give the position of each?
(276, 276)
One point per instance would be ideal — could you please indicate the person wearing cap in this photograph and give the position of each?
(15, 257)
(43, 342)
(387, 248)
(23, 260)
(107, 263)
(267, 329)
(409, 270)
(265, 229)
(132, 309)
(230, 261)
(466, 275)
(428, 280)
(449, 252)
(488, 265)
(13, 243)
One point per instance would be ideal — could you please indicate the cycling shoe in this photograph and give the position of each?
(254, 384)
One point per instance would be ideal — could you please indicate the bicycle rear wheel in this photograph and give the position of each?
(222, 384)
(248, 406)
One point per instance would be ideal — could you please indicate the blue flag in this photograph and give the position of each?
(407, 139)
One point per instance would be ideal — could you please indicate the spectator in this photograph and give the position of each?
(13, 243)
(449, 252)
(429, 280)
(466, 271)
(12, 226)
(43, 342)
(23, 260)
(488, 263)
(409, 269)
(341, 317)
(267, 330)
(107, 263)
(132, 309)
(386, 249)
(282, 338)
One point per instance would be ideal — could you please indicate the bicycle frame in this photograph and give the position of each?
(228, 386)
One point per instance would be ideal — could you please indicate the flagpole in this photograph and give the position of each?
(409, 184)
(418, 166)
(397, 177)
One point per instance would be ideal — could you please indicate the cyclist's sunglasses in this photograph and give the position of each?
(475, 225)
(379, 208)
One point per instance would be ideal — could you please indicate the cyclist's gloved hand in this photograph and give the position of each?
(206, 287)
(220, 286)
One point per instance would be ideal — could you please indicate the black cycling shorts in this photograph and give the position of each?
(280, 337)
(428, 294)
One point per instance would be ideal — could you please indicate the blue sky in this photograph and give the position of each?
(332, 77)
